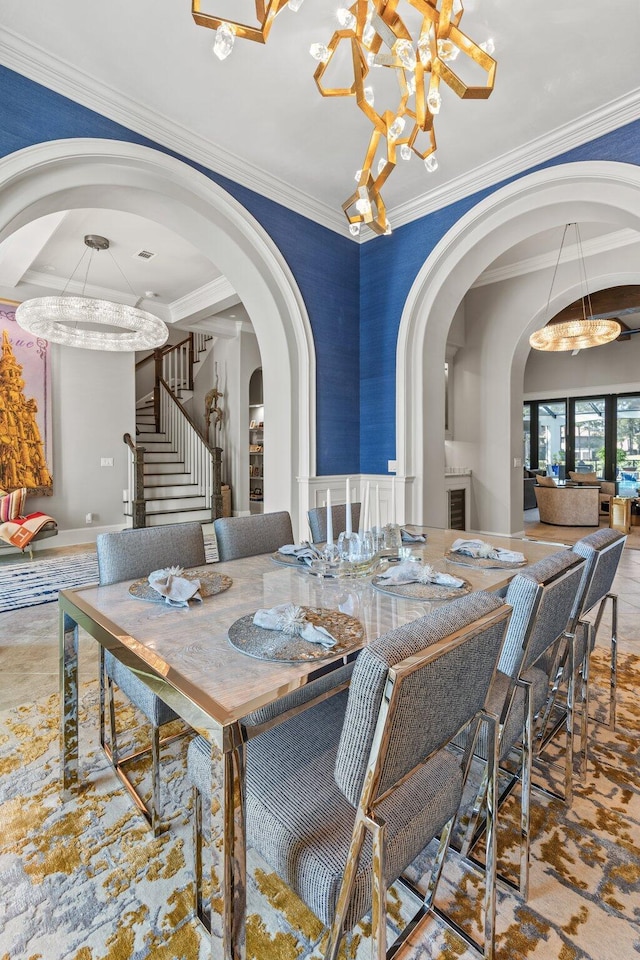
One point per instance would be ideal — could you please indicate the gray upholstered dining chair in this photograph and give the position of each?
(341, 798)
(128, 555)
(317, 517)
(601, 551)
(250, 536)
(542, 597)
(240, 537)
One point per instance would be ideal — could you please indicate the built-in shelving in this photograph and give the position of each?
(256, 444)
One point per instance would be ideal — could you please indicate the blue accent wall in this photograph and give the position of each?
(389, 266)
(354, 294)
(324, 264)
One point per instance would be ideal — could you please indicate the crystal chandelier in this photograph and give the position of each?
(84, 321)
(379, 37)
(589, 331)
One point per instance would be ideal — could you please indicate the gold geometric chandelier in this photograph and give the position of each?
(589, 331)
(378, 37)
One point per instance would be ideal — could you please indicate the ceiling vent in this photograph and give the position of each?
(145, 255)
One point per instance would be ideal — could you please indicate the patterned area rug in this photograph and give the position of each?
(27, 584)
(84, 880)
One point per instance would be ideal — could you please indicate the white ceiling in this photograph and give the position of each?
(564, 76)
(562, 79)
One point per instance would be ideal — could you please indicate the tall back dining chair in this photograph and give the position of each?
(341, 798)
(317, 517)
(542, 597)
(240, 537)
(128, 555)
(601, 551)
(607, 546)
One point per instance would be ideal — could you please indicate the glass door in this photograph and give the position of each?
(628, 445)
(552, 437)
(589, 436)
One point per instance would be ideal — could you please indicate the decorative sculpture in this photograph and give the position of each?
(213, 410)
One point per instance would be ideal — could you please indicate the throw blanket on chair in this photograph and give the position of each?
(21, 531)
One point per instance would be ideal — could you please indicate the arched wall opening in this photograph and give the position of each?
(68, 174)
(602, 192)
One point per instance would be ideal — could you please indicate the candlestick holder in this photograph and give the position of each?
(358, 554)
(392, 539)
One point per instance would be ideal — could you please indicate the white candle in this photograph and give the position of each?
(367, 525)
(361, 527)
(348, 531)
(378, 506)
(393, 499)
(329, 519)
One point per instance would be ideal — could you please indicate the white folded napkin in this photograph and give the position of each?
(412, 537)
(305, 553)
(290, 619)
(176, 589)
(480, 549)
(410, 571)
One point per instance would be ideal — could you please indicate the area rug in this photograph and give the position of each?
(27, 584)
(85, 880)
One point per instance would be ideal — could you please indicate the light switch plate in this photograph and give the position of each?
(392, 466)
(517, 461)
(106, 461)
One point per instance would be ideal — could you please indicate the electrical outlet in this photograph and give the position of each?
(88, 518)
(392, 466)
(106, 461)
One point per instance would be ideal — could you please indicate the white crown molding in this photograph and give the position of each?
(77, 288)
(585, 128)
(546, 261)
(212, 296)
(38, 64)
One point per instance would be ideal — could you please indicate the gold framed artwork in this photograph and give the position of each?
(25, 407)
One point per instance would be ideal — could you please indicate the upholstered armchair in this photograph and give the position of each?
(568, 506)
(608, 488)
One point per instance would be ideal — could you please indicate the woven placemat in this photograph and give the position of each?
(421, 591)
(486, 562)
(210, 584)
(264, 644)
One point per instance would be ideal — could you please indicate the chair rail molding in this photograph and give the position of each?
(595, 191)
(68, 174)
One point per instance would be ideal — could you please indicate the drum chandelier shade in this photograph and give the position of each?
(89, 323)
(589, 331)
(417, 41)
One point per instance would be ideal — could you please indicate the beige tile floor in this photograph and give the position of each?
(29, 638)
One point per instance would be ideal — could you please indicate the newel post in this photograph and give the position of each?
(216, 483)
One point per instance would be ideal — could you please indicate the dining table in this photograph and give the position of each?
(185, 656)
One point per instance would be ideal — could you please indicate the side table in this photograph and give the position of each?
(620, 514)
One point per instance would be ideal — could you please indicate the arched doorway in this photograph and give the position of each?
(69, 174)
(603, 192)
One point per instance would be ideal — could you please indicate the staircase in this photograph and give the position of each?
(171, 494)
(173, 473)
